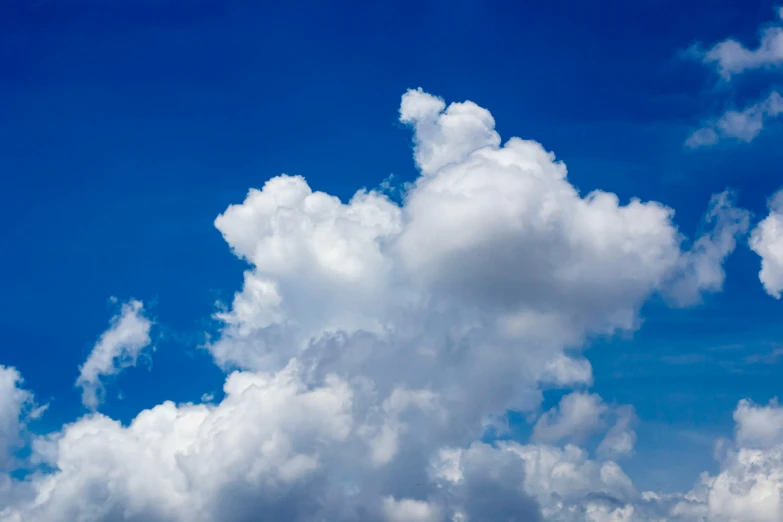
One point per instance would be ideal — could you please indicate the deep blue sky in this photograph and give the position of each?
(126, 127)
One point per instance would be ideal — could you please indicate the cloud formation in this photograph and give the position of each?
(731, 57)
(577, 415)
(117, 348)
(742, 125)
(767, 241)
(14, 403)
(373, 343)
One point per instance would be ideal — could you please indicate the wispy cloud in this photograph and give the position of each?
(743, 125)
(118, 348)
(731, 57)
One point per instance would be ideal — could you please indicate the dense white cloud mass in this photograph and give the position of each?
(767, 241)
(759, 426)
(742, 125)
(118, 348)
(372, 344)
(731, 57)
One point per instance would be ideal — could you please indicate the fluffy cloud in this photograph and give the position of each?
(118, 348)
(742, 125)
(767, 241)
(730, 57)
(581, 414)
(259, 449)
(759, 426)
(14, 402)
(749, 487)
(372, 343)
(577, 415)
(408, 510)
(621, 438)
(541, 482)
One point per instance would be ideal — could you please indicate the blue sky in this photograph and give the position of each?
(126, 128)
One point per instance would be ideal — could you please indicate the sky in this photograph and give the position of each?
(391, 261)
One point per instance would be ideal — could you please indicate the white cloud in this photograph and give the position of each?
(563, 483)
(446, 135)
(578, 415)
(759, 426)
(14, 402)
(767, 241)
(407, 510)
(621, 438)
(701, 268)
(581, 414)
(731, 57)
(117, 348)
(749, 486)
(742, 125)
(372, 338)
(261, 444)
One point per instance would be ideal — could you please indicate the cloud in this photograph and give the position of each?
(749, 486)
(373, 342)
(759, 426)
(767, 241)
(118, 348)
(620, 440)
(701, 268)
(730, 57)
(742, 125)
(563, 482)
(407, 510)
(16, 404)
(577, 415)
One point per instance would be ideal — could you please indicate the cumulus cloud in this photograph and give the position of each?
(577, 415)
(759, 426)
(373, 342)
(408, 510)
(117, 348)
(546, 482)
(749, 485)
(581, 414)
(731, 57)
(767, 241)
